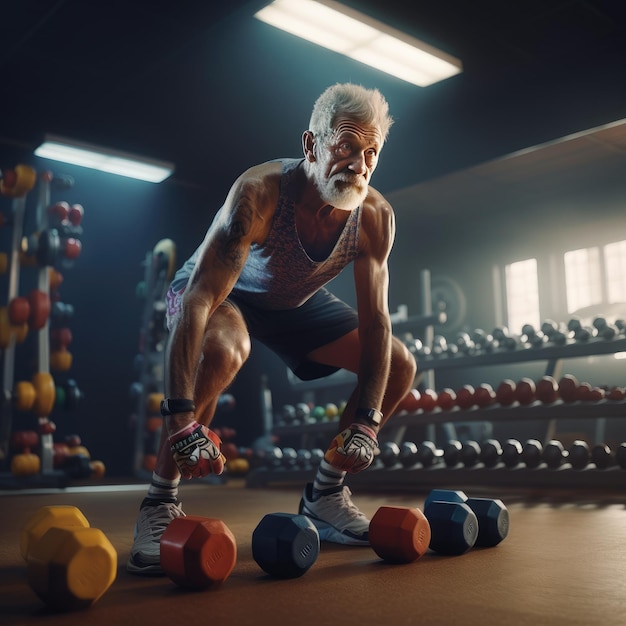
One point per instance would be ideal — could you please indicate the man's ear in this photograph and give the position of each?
(308, 145)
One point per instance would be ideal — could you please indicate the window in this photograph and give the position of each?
(583, 278)
(594, 277)
(615, 264)
(522, 294)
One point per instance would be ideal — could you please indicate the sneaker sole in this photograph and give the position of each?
(145, 570)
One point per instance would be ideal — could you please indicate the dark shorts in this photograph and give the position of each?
(292, 333)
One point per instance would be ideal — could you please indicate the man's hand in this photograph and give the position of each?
(196, 451)
(353, 449)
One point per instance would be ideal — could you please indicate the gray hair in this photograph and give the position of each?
(367, 106)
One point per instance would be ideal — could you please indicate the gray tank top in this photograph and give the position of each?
(278, 273)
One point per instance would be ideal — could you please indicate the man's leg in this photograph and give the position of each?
(226, 346)
(345, 353)
(327, 500)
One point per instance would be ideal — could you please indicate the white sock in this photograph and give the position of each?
(327, 477)
(162, 490)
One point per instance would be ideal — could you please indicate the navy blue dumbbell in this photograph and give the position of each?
(459, 523)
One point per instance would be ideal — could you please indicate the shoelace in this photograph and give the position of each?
(158, 519)
(344, 497)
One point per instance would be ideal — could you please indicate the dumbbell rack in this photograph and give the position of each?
(438, 475)
(41, 250)
(399, 477)
(159, 267)
(18, 211)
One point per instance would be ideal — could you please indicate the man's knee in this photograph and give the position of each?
(404, 366)
(225, 352)
(226, 344)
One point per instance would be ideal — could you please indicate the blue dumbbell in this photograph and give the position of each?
(459, 523)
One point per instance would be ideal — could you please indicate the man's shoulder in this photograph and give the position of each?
(259, 180)
(375, 201)
(262, 170)
(261, 185)
(275, 166)
(377, 218)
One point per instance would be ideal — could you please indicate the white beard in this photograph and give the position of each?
(342, 196)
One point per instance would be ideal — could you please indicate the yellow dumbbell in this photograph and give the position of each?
(19, 183)
(238, 467)
(70, 565)
(55, 278)
(61, 360)
(79, 450)
(25, 462)
(98, 469)
(153, 403)
(5, 328)
(37, 395)
(8, 329)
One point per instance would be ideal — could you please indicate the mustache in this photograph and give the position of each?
(345, 177)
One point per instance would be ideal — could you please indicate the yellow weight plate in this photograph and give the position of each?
(45, 393)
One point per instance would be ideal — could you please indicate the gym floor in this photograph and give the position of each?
(562, 563)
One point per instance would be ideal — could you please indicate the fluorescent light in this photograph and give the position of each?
(103, 159)
(360, 37)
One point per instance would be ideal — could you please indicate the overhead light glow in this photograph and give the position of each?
(362, 38)
(103, 159)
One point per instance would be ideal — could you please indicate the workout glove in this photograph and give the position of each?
(352, 450)
(196, 451)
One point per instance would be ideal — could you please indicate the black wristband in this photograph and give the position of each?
(371, 416)
(169, 406)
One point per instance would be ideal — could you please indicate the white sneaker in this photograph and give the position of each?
(145, 555)
(335, 516)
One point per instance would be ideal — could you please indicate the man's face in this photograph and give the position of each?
(344, 166)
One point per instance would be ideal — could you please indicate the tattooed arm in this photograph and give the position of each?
(244, 219)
